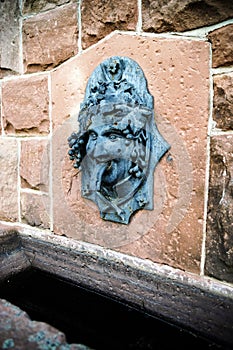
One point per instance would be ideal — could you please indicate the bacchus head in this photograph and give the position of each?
(118, 144)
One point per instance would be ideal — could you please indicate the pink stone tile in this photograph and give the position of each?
(50, 38)
(25, 105)
(175, 70)
(35, 209)
(34, 164)
(99, 18)
(8, 179)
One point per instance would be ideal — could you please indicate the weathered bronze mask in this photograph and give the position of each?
(118, 144)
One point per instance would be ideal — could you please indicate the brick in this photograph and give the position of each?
(222, 51)
(8, 179)
(34, 164)
(219, 242)
(99, 18)
(223, 101)
(175, 70)
(30, 7)
(35, 209)
(9, 38)
(25, 106)
(174, 15)
(50, 38)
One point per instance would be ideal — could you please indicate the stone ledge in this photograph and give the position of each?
(12, 257)
(199, 304)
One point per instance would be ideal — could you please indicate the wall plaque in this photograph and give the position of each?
(118, 145)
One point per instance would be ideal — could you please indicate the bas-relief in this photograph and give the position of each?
(118, 144)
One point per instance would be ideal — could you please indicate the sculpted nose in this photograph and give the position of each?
(100, 151)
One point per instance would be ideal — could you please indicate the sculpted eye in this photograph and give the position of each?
(93, 135)
(114, 136)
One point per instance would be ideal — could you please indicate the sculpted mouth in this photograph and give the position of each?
(101, 168)
(110, 175)
(109, 166)
(106, 173)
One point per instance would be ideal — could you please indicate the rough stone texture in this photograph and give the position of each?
(222, 50)
(197, 303)
(18, 331)
(25, 106)
(99, 18)
(9, 37)
(12, 257)
(9, 238)
(50, 38)
(35, 209)
(175, 15)
(223, 101)
(8, 179)
(219, 243)
(30, 6)
(172, 232)
(34, 164)
(156, 289)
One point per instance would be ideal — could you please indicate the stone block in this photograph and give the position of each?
(9, 38)
(99, 18)
(222, 51)
(34, 164)
(174, 15)
(30, 7)
(219, 242)
(25, 104)
(50, 38)
(172, 233)
(223, 101)
(35, 209)
(8, 179)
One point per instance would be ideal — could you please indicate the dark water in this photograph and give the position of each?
(93, 319)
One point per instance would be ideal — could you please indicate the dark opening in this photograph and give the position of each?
(92, 319)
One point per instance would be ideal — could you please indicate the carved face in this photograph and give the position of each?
(118, 145)
(106, 143)
(109, 145)
(114, 165)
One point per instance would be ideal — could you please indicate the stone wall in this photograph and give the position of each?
(49, 48)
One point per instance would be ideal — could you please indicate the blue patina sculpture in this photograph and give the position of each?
(118, 144)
